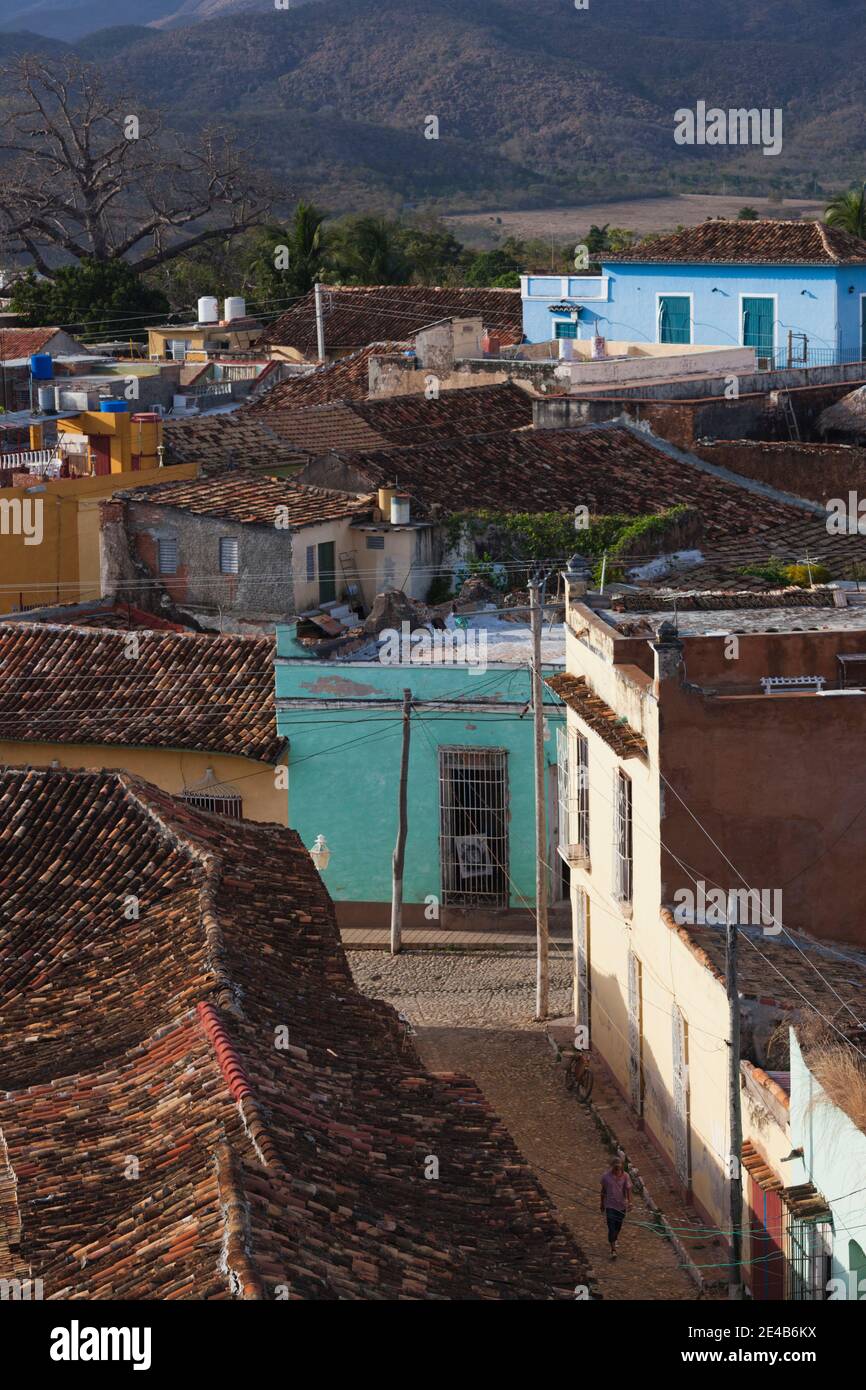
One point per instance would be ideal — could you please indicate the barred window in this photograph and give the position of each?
(473, 838)
(622, 832)
(573, 787)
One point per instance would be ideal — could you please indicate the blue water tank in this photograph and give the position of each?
(113, 407)
(41, 366)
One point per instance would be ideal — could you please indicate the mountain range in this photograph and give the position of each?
(536, 103)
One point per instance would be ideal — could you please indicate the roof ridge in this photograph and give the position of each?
(237, 1079)
(235, 1259)
(822, 233)
(225, 990)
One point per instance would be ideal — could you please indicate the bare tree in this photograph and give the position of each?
(87, 173)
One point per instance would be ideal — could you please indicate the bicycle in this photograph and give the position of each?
(579, 1077)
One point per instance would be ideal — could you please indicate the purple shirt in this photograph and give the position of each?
(615, 1190)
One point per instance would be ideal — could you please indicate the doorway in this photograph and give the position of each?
(327, 572)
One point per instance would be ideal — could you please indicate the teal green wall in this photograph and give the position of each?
(834, 1159)
(344, 764)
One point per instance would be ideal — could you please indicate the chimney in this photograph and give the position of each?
(668, 654)
(576, 578)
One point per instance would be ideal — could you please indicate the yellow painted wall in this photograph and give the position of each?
(64, 566)
(201, 339)
(169, 768)
(391, 568)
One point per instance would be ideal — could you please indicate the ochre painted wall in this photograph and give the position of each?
(169, 768)
(64, 566)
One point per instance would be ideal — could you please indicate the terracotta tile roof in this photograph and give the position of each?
(250, 499)
(749, 243)
(262, 1170)
(783, 969)
(395, 420)
(321, 428)
(346, 379)
(355, 316)
(20, 342)
(184, 690)
(576, 692)
(223, 442)
(608, 468)
(791, 542)
(847, 416)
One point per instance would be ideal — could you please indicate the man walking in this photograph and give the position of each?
(616, 1189)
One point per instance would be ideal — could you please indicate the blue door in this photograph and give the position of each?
(758, 324)
(675, 318)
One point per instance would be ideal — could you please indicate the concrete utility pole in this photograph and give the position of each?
(735, 1185)
(400, 847)
(542, 979)
(320, 323)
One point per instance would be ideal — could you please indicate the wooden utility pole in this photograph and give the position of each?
(735, 1125)
(320, 322)
(542, 978)
(400, 847)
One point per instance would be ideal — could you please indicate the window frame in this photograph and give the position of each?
(167, 541)
(230, 541)
(623, 839)
(775, 299)
(675, 294)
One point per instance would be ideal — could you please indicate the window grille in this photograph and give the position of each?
(582, 978)
(572, 770)
(167, 554)
(473, 838)
(810, 1244)
(228, 555)
(375, 542)
(622, 847)
(635, 1032)
(682, 1118)
(311, 563)
(220, 798)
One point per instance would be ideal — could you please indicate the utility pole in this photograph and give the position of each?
(320, 322)
(542, 978)
(735, 1125)
(400, 847)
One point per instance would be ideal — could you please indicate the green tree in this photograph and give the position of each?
(286, 262)
(748, 214)
(493, 268)
(93, 298)
(433, 252)
(848, 211)
(220, 269)
(597, 239)
(367, 251)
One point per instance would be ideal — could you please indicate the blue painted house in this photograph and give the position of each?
(793, 291)
(470, 849)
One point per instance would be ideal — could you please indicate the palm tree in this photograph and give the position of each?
(848, 211)
(287, 261)
(597, 239)
(368, 252)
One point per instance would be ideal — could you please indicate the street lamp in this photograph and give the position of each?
(320, 854)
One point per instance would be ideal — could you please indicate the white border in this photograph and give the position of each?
(676, 294)
(741, 330)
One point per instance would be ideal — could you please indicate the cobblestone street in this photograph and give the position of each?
(474, 1015)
